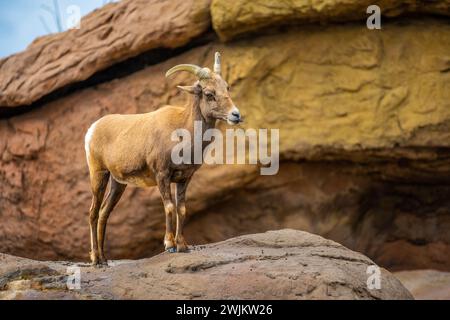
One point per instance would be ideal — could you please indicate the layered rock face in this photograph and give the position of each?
(285, 264)
(364, 135)
(106, 37)
(243, 17)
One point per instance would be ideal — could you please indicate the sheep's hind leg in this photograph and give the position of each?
(169, 208)
(111, 200)
(99, 181)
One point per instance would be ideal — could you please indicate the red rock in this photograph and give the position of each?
(109, 35)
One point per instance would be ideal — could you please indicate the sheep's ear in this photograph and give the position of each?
(188, 89)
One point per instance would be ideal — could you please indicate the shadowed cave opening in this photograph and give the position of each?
(400, 225)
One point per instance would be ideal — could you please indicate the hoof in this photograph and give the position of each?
(99, 264)
(172, 250)
(94, 258)
(169, 241)
(104, 263)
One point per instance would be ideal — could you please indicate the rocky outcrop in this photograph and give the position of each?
(364, 142)
(233, 19)
(107, 36)
(283, 264)
(377, 138)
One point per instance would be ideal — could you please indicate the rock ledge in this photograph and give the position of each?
(284, 264)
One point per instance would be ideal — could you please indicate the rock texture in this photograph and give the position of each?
(107, 36)
(382, 113)
(426, 284)
(232, 19)
(283, 264)
(364, 140)
(345, 88)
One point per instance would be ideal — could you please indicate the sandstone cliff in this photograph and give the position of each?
(363, 118)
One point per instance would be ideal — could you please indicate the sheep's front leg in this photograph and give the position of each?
(169, 208)
(181, 215)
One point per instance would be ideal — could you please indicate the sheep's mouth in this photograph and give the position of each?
(234, 121)
(231, 120)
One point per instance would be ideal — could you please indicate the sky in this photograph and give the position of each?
(21, 21)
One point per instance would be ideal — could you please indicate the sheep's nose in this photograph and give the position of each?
(234, 117)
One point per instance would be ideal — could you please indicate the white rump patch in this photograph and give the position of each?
(88, 138)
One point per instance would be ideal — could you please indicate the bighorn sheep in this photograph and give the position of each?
(136, 150)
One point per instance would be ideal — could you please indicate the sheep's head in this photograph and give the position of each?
(213, 91)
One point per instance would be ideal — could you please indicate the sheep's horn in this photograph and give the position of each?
(217, 67)
(201, 73)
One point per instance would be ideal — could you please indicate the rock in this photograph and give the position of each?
(285, 264)
(364, 142)
(232, 19)
(107, 36)
(363, 117)
(426, 284)
(343, 89)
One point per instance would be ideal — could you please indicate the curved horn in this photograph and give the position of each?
(201, 73)
(217, 66)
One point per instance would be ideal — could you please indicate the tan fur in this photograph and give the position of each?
(136, 150)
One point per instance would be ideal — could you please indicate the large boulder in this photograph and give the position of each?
(283, 264)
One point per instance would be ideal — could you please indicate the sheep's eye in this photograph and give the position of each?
(209, 96)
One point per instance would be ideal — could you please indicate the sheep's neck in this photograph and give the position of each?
(194, 114)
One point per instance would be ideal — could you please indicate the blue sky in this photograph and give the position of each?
(21, 20)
